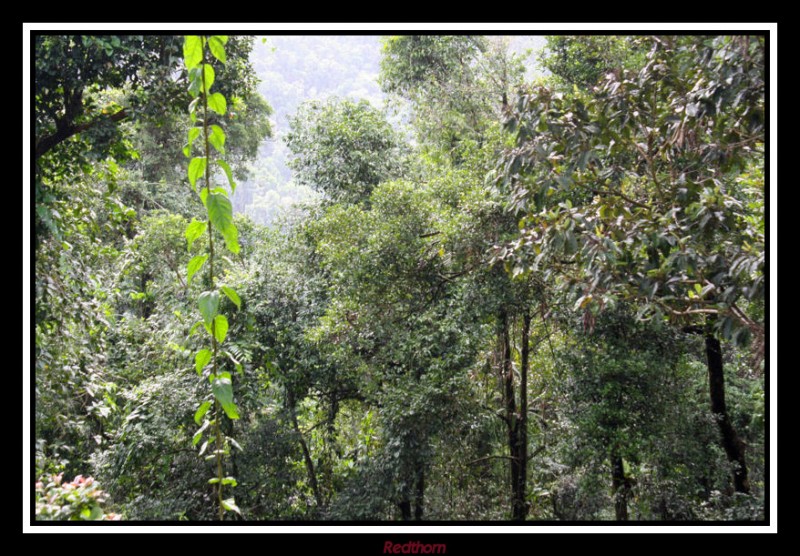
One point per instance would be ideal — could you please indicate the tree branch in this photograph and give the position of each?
(64, 132)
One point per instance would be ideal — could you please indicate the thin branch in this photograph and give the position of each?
(63, 133)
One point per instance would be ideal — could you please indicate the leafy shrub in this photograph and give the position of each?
(79, 500)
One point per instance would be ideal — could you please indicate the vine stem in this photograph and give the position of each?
(217, 431)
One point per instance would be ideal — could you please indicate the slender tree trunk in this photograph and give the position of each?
(520, 505)
(405, 510)
(619, 487)
(512, 422)
(420, 493)
(733, 445)
(312, 474)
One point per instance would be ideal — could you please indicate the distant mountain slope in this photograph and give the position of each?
(297, 68)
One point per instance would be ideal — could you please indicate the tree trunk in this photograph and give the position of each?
(520, 505)
(420, 494)
(312, 474)
(733, 445)
(619, 488)
(512, 422)
(405, 510)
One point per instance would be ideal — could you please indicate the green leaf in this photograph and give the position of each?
(197, 167)
(195, 83)
(208, 78)
(221, 38)
(229, 481)
(192, 51)
(195, 265)
(194, 230)
(201, 412)
(230, 505)
(208, 302)
(217, 103)
(194, 328)
(217, 48)
(224, 165)
(232, 295)
(203, 448)
(213, 481)
(220, 212)
(193, 133)
(223, 391)
(220, 328)
(201, 359)
(217, 138)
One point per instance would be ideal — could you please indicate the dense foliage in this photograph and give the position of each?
(539, 301)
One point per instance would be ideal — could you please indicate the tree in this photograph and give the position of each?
(343, 149)
(86, 86)
(635, 191)
(584, 60)
(456, 84)
(620, 388)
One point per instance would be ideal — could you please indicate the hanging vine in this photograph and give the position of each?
(203, 110)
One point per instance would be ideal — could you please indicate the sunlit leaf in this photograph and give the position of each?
(228, 173)
(230, 505)
(197, 166)
(232, 295)
(194, 266)
(194, 230)
(192, 51)
(223, 392)
(217, 103)
(208, 302)
(201, 359)
(217, 138)
(201, 412)
(217, 48)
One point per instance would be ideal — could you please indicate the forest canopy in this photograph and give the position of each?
(465, 282)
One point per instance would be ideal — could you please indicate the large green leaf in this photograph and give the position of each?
(227, 169)
(208, 302)
(232, 295)
(201, 359)
(217, 103)
(217, 48)
(220, 328)
(220, 212)
(201, 412)
(223, 391)
(217, 138)
(194, 230)
(194, 266)
(197, 166)
(192, 51)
